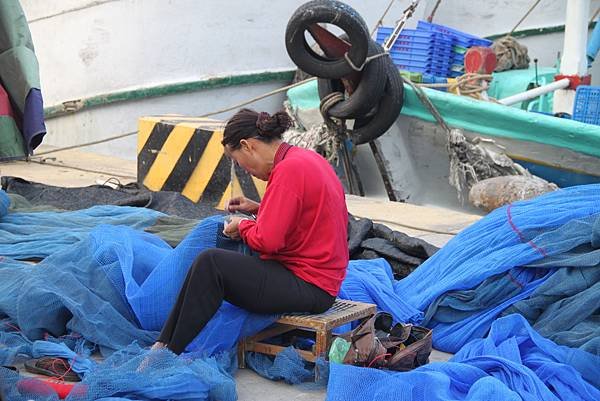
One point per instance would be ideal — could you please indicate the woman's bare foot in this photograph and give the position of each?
(146, 361)
(158, 345)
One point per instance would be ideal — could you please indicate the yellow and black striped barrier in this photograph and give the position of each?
(185, 154)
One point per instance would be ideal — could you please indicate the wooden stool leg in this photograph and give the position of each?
(323, 342)
(242, 354)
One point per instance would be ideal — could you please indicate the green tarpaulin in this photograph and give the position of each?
(19, 75)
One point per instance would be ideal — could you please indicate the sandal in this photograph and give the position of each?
(58, 368)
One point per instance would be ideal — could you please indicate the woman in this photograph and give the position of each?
(300, 234)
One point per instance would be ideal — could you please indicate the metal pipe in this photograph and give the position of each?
(533, 93)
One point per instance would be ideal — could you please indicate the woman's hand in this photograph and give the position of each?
(242, 204)
(231, 229)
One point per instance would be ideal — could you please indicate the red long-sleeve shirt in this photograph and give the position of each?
(302, 221)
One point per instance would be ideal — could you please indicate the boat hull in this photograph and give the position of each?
(416, 163)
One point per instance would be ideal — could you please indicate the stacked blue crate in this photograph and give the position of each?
(461, 39)
(462, 42)
(587, 104)
(419, 51)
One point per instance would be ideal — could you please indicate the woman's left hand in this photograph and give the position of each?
(231, 228)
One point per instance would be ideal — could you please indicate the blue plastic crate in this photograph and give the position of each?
(439, 51)
(424, 66)
(461, 38)
(458, 58)
(433, 58)
(420, 44)
(421, 48)
(414, 36)
(422, 69)
(421, 63)
(407, 57)
(587, 104)
(419, 33)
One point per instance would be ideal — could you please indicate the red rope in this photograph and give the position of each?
(520, 234)
(54, 368)
(377, 358)
(15, 328)
(514, 280)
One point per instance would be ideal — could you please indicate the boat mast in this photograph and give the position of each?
(573, 64)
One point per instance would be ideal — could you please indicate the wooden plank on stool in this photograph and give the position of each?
(272, 331)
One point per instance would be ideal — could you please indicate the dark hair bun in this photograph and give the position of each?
(273, 126)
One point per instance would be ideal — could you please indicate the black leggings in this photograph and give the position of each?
(259, 286)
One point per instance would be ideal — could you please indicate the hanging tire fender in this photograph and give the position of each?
(368, 92)
(368, 129)
(331, 12)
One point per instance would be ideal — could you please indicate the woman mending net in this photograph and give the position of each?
(300, 233)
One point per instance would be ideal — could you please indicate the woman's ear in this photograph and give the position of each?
(245, 145)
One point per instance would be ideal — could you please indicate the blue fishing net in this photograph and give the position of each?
(512, 363)
(12, 343)
(108, 289)
(372, 281)
(115, 287)
(289, 366)
(134, 373)
(545, 234)
(511, 236)
(40, 234)
(149, 274)
(4, 203)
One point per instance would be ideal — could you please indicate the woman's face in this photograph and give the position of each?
(248, 158)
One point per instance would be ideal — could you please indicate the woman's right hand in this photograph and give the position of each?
(242, 204)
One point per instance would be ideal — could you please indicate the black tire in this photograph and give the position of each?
(329, 86)
(332, 12)
(367, 94)
(368, 129)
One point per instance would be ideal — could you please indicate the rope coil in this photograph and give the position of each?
(466, 85)
(510, 54)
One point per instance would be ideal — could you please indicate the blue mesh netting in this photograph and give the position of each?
(4, 203)
(510, 236)
(288, 365)
(134, 373)
(547, 234)
(110, 290)
(40, 234)
(121, 280)
(512, 363)
(566, 314)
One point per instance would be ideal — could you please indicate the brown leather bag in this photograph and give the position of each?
(378, 343)
(416, 353)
